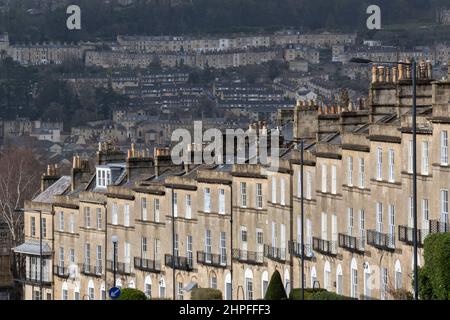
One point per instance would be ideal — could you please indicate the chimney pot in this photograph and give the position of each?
(374, 74)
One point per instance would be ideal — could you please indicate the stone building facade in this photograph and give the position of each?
(231, 226)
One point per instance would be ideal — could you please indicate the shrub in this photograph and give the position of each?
(132, 294)
(296, 294)
(434, 277)
(206, 294)
(316, 294)
(275, 291)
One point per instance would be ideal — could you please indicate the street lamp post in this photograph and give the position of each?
(413, 66)
(302, 244)
(40, 254)
(115, 240)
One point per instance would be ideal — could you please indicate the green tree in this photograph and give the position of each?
(434, 277)
(275, 291)
(206, 294)
(132, 294)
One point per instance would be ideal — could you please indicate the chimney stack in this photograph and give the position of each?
(49, 177)
(394, 74)
(80, 172)
(381, 74)
(401, 71)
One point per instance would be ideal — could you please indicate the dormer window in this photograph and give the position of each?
(103, 177)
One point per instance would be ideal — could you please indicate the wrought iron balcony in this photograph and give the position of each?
(380, 240)
(275, 254)
(121, 267)
(34, 277)
(61, 271)
(147, 265)
(437, 226)
(406, 235)
(248, 257)
(324, 247)
(89, 270)
(181, 263)
(211, 259)
(295, 249)
(351, 244)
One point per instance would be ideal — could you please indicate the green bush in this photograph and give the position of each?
(296, 294)
(206, 294)
(275, 291)
(434, 277)
(316, 294)
(132, 294)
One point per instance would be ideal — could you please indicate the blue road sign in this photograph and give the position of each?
(114, 293)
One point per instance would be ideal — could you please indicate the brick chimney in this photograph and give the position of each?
(49, 177)
(80, 172)
(138, 162)
(162, 160)
(107, 153)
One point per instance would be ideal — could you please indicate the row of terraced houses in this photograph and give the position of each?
(231, 226)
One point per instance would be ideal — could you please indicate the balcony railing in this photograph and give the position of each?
(295, 249)
(351, 244)
(121, 267)
(324, 247)
(147, 265)
(406, 235)
(181, 263)
(211, 259)
(437, 226)
(380, 240)
(91, 270)
(34, 277)
(248, 257)
(275, 254)
(61, 271)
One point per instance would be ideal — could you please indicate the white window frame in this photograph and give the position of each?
(115, 214)
(333, 180)
(243, 190)
(282, 192)
(156, 210)
(259, 196)
(379, 155)
(350, 171)
(350, 220)
(324, 178)
(444, 148)
(207, 200)
(188, 206)
(444, 206)
(391, 161)
(126, 215)
(144, 215)
(175, 204)
(308, 185)
(425, 158)
(361, 173)
(221, 201)
(379, 217)
(410, 157)
(274, 190)
(61, 221)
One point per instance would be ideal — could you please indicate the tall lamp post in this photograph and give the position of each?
(302, 244)
(413, 66)
(115, 240)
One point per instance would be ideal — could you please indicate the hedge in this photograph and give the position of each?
(131, 294)
(275, 290)
(434, 277)
(206, 294)
(316, 294)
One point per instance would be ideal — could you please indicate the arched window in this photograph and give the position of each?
(367, 281)
(287, 282)
(91, 290)
(64, 291)
(131, 284)
(339, 280)
(119, 283)
(264, 283)
(353, 279)
(103, 291)
(313, 277)
(76, 292)
(228, 287)
(162, 288)
(248, 284)
(327, 276)
(148, 287)
(398, 275)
